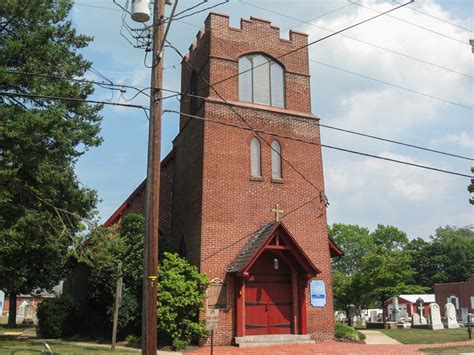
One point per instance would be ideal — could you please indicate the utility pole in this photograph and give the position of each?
(118, 300)
(149, 311)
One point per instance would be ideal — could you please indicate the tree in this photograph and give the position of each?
(446, 257)
(181, 291)
(470, 187)
(356, 242)
(377, 265)
(41, 200)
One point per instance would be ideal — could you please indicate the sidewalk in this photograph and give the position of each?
(376, 337)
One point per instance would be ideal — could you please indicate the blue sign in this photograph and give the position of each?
(317, 293)
(2, 300)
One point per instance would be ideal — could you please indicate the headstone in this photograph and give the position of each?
(373, 316)
(419, 306)
(435, 317)
(450, 313)
(470, 318)
(423, 320)
(395, 310)
(2, 300)
(28, 317)
(415, 319)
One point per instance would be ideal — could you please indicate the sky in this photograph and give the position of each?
(405, 77)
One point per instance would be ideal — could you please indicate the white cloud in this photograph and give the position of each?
(463, 139)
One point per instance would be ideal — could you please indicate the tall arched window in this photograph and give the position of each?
(276, 160)
(261, 81)
(255, 168)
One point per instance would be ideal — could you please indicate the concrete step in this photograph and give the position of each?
(276, 339)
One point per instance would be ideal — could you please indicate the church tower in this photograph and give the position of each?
(248, 202)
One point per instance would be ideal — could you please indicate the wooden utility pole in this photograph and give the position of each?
(153, 188)
(118, 300)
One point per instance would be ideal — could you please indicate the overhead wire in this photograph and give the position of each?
(320, 144)
(436, 18)
(411, 23)
(362, 134)
(202, 10)
(401, 87)
(310, 23)
(75, 99)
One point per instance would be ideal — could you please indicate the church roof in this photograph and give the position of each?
(262, 239)
(252, 246)
(141, 188)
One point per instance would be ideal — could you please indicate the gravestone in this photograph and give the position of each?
(395, 310)
(423, 320)
(450, 313)
(28, 315)
(435, 317)
(373, 316)
(415, 319)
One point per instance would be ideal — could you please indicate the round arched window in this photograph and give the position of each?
(261, 80)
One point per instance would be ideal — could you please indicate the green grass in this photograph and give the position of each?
(450, 349)
(427, 336)
(29, 346)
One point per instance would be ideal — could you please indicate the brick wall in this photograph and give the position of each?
(216, 205)
(463, 290)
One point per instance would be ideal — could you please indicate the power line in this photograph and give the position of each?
(96, 6)
(437, 18)
(104, 85)
(141, 91)
(411, 23)
(308, 22)
(245, 121)
(316, 41)
(394, 85)
(322, 145)
(366, 135)
(74, 99)
(178, 17)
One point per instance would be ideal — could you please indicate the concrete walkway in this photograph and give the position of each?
(376, 337)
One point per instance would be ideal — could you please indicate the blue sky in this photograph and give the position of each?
(361, 190)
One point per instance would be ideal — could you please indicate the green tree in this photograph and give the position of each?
(41, 200)
(356, 243)
(470, 187)
(447, 256)
(181, 291)
(378, 265)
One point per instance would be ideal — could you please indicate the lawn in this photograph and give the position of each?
(450, 349)
(427, 336)
(29, 346)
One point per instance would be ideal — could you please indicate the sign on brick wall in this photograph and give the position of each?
(217, 295)
(317, 292)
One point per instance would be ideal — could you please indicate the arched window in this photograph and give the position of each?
(261, 81)
(255, 168)
(276, 160)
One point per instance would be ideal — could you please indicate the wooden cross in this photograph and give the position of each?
(277, 212)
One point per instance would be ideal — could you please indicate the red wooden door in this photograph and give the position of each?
(268, 304)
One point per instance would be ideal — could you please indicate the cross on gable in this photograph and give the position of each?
(277, 212)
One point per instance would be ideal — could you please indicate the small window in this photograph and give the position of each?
(261, 80)
(276, 160)
(255, 168)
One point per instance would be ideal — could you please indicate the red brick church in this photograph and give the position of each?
(247, 206)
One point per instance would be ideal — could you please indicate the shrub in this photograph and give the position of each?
(181, 290)
(55, 317)
(345, 332)
(133, 341)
